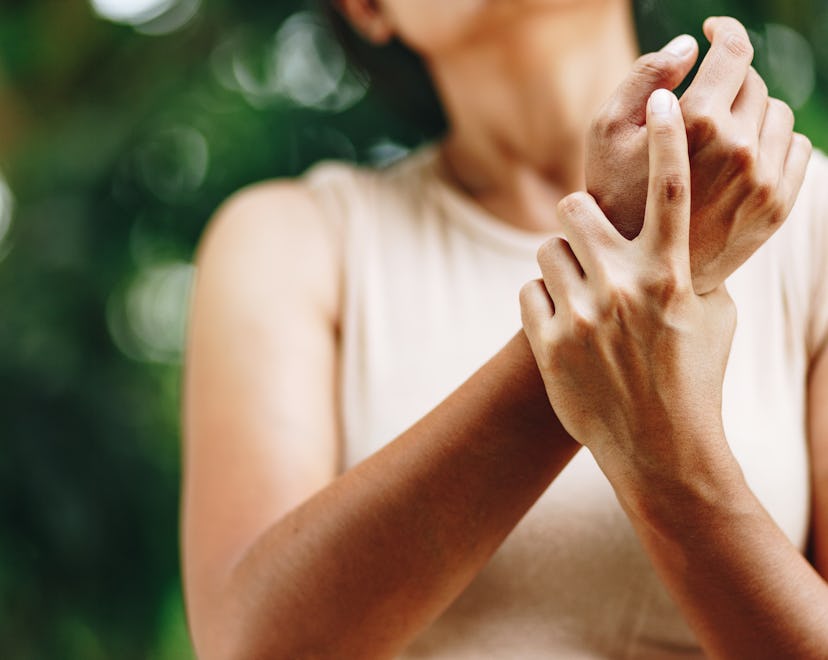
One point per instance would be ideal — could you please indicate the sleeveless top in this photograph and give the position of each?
(431, 284)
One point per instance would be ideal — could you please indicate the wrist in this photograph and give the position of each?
(683, 486)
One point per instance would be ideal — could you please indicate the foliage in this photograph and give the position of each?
(117, 143)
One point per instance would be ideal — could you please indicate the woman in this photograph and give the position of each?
(322, 519)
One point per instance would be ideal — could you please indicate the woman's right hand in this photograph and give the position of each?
(747, 163)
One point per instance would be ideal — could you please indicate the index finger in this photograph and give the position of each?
(726, 65)
(667, 68)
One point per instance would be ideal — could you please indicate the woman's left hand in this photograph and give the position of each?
(632, 358)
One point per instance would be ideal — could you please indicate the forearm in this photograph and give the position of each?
(746, 591)
(364, 565)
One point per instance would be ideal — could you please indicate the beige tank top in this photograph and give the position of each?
(431, 292)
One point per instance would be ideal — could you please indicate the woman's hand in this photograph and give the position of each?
(747, 164)
(633, 362)
(632, 358)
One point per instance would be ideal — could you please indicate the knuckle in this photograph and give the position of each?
(527, 292)
(737, 43)
(664, 286)
(742, 155)
(609, 122)
(619, 304)
(783, 111)
(767, 200)
(803, 142)
(571, 204)
(764, 194)
(777, 213)
(582, 324)
(664, 130)
(543, 251)
(701, 127)
(672, 188)
(653, 67)
(550, 249)
(731, 24)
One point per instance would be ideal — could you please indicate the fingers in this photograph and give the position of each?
(726, 66)
(775, 138)
(589, 232)
(784, 157)
(543, 300)
(562, 274)
(536, 308)
(664, 69)
(751, 104)
(667, 218)
(796, 165)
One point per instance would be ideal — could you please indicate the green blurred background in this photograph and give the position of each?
(123, 124)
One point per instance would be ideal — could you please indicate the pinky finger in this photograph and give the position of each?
(793, 175)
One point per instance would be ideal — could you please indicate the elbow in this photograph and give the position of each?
(224, 629)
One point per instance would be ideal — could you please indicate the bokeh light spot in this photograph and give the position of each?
(246, 65)
(311, 68)
(173, 163)
(385, 152)
(787, 61)
(148, 16)
(302, 64)
(176, 17)
(148, 320)
(133, 12)
(6, 209)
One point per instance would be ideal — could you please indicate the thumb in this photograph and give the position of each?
(664, 69)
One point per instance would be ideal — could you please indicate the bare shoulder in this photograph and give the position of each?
(270, 231)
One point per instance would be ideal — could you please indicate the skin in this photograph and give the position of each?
(634, 368)
(746, 162)
(268, 520)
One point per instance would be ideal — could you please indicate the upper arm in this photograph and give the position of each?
(260, 427)
(818, 436)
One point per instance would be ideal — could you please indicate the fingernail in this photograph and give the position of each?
(680, 46)
(661, 102)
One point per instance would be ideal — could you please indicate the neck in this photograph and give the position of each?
(519, 99)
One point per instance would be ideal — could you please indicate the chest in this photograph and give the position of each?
(426, 316)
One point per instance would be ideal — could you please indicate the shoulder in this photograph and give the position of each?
(301, 225)
(266, 212)
(269, 243)
(357, 193)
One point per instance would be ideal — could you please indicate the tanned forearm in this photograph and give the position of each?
(744, 588)
(369, 561)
